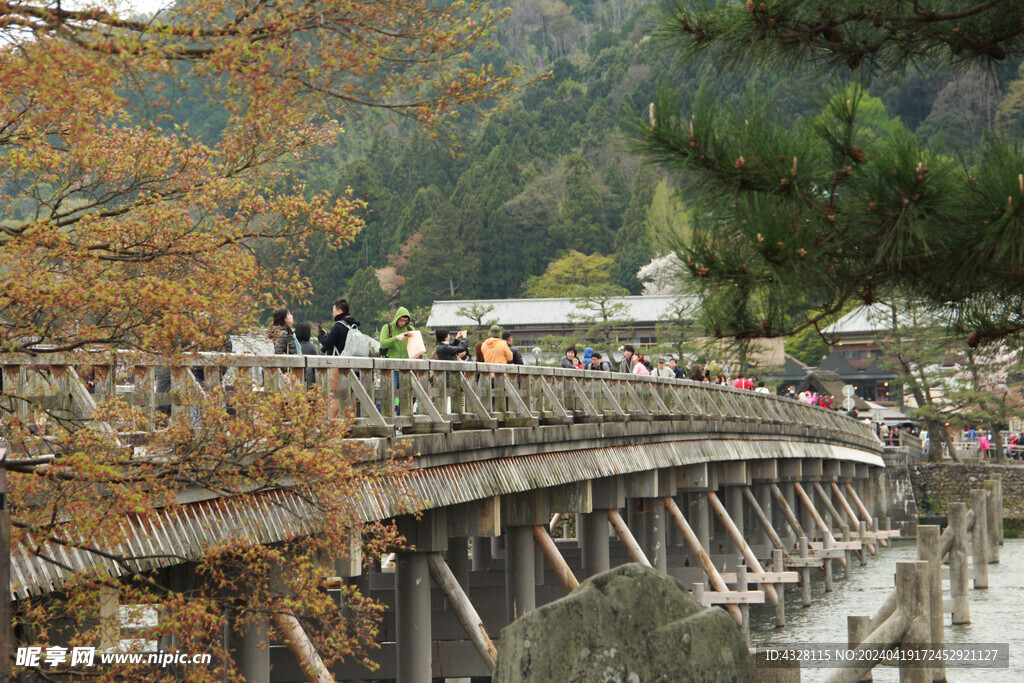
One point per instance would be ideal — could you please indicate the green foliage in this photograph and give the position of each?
(368, 301)
(569, 274)
(439, 265)
(550, 171)
(582, 223)
(891, 35)
(807, 346)
(795, 216)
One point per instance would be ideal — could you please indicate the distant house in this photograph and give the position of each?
(532, 319)
(856, 355)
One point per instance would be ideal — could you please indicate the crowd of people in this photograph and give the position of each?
(398, 337)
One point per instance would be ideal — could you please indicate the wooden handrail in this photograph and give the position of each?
(435, 393)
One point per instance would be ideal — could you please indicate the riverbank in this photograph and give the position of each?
(938, 484)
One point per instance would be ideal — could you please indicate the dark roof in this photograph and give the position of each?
(827, 382)
(837, 364)
(792, 371)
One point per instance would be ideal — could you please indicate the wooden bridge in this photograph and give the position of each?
(737, 493)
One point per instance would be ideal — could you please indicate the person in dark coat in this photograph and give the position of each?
(282, 334)
(517, 357)
(333, 343)
(446, 350)
(303, 331)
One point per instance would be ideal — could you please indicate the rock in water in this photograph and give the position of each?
(632, 624)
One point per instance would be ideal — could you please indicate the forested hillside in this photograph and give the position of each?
(553, 172)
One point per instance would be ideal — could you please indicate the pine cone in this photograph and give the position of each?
(973, 339)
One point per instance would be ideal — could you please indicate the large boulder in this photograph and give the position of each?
(632, 624)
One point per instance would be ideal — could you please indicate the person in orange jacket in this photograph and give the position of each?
(494, 348)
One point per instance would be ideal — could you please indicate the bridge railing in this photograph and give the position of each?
(387, 396)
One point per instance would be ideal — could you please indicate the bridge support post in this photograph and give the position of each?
(764, 519)
(795, 529)
(763, 497)
(827, 545)
(806, 517)
(412, 617)
(636, 553)
(656, 540)
(520, 571)
(847, 537)
(481, 553)
(779, 565)
(592, 530)
(741, 585)
(458, 560)
(497, 551)
(789, 495)
(734, 505)
(805, 573)
(697, 515)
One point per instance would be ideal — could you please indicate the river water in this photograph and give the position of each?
(997, 614)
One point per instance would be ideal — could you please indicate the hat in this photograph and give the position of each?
(495, 331)
(662, 360)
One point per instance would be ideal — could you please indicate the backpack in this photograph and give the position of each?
(358, 344)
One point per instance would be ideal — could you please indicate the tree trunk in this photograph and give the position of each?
(997, 443)
(948, 440)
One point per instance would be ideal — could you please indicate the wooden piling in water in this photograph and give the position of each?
(993, 512)
(848, 537)
(979, 538)
(741, 586)
(913, 600)
(999, 507)
(805, 573)
(741, 544)
(959, 574)
(820, 523)
(856, 632)
(702, 556)
(862, 531)
(928, 551)
(779, 565)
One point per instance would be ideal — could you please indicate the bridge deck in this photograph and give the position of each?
(479, 431)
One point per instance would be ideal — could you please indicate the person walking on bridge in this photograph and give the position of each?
(663, 370)
(628, 359)
(494, 348)
(333, 343)
(569, 360)
(282, 334)
(517, 356)
(446, 350)
(393, 335)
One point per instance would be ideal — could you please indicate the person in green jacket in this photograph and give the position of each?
(393, 335)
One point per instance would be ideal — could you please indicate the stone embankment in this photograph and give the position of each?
(938, 484)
